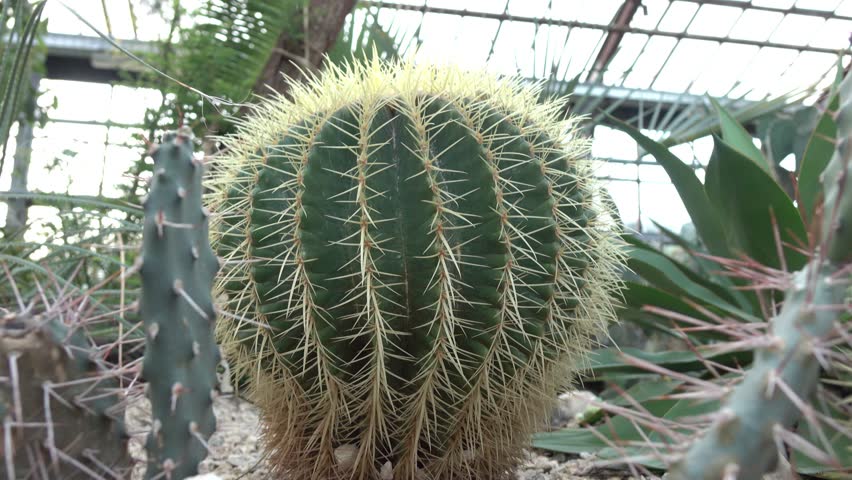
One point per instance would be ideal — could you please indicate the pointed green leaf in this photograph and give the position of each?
(750, 198)
(721, 284)
(689, 188)
(666, 273)
(737, 136)
(818, 152)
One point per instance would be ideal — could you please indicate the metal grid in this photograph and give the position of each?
(637, 44)
(617, 58)
(650, 36)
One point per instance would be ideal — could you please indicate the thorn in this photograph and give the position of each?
(136, 267)
(178, 288)
(160, 221)
(181, 192)
(50, 442)
(8, 448)
(193, 430)
(153, 330)
(177, 390)
(195, 254)
(196, 349)
(732, 470)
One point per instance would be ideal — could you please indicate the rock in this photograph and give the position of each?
(206, 476)
(570, 406)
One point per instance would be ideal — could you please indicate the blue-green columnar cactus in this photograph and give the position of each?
(178, 268)
(418, 260)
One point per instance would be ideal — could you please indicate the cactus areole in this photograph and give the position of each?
(417, 258)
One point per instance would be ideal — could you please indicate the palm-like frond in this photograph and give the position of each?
(15, 45)
(225, 52)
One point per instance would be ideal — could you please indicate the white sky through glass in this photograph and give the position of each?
(92, 158)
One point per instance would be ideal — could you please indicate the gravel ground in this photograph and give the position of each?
(236, 454)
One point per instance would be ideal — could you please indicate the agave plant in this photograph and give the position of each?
(754, 237)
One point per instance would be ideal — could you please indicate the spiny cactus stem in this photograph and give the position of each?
(177, 274)
(780, 382)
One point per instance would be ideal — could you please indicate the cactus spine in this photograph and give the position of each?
(178, 267)
(418, 262)
(63, 415)
(741, 443)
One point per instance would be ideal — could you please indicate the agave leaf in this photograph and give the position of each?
(709, 268)
(818, 152)
(738, 138)
(664, 272)
(61, 201)
(704, 216)
(611, 361)
(15, 57)
(751, 198)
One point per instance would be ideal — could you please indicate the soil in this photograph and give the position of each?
(235, 452)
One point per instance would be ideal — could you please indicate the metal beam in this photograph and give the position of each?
(595, 26)
(808, 12)
(622, 17)
(91, 59)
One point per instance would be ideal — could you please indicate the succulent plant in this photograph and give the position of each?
(418, 259)
(177, 269)
(786, 369)
(63, 415)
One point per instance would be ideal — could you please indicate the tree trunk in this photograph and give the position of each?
(322, 20)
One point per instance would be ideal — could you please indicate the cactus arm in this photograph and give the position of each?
(742, 440)
(178, 268)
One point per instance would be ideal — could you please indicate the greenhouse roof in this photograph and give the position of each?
(637, 56)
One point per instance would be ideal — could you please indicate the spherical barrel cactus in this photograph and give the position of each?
(416, 260)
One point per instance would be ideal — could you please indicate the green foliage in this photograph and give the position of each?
(177, 270)
(746, 220)
(416, 246)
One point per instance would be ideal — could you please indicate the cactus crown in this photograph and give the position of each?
(417, 259)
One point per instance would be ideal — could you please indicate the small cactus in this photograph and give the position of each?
(177, 270)
(62, 411)
(741, 443)
(419, 260)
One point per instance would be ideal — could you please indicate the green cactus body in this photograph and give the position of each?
(418, 260)
(181, 356)
(742, 442)
(62, 412)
